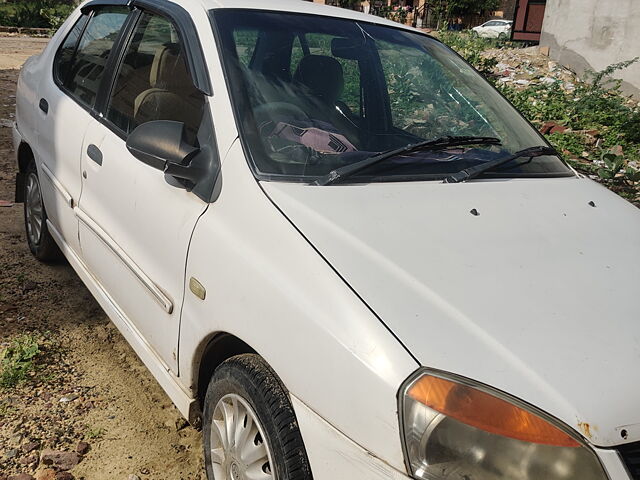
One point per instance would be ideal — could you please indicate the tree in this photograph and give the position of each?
(460, 8)
(348, 3)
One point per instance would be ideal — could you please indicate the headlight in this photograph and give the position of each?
(456, 430)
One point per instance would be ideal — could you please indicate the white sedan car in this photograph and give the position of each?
(335, 245)
(493, 29)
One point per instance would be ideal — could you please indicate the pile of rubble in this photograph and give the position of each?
(521, 67)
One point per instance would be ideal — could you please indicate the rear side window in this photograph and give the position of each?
(64, 56)
(82, 75)
(153, 82)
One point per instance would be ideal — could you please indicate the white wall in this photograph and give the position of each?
(593, 34)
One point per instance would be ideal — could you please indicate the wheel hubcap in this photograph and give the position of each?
(239, 450)
(34, 209)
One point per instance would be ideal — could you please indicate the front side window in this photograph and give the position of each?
(153, 82)
(313, 94)
(84, 73)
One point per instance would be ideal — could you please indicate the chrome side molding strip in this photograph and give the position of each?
(56, 183)
(164, 301)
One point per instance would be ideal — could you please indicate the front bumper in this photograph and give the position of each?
(333, 455)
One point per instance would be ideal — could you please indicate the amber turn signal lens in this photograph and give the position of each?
(486, 412)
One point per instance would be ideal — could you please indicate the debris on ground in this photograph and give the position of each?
(526, 66)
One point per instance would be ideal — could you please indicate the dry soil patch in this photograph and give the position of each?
(89, 384)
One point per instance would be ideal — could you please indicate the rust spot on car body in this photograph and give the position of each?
(585, 428)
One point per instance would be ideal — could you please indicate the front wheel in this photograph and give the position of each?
(40, 241)
(249, 427)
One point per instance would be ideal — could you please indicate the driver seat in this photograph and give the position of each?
(323, 79)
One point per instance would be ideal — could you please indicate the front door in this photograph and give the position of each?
(136, 223)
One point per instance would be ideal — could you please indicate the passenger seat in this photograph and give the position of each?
(172, 95)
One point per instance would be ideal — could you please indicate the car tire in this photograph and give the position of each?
(474, 34)
(40, 241)
(246, 398)
(502, 36)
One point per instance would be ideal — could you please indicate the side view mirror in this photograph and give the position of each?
(161, 144)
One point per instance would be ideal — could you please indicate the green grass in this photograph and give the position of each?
(17, 361)
(94, 433)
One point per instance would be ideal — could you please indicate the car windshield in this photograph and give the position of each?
(313, 94)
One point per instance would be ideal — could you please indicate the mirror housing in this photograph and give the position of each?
(161, 144)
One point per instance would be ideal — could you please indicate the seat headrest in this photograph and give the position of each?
(322, 75)
(169, 70)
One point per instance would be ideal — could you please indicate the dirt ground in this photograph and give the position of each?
(88, 385)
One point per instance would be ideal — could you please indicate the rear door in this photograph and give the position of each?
(67, 98)
(135, 222)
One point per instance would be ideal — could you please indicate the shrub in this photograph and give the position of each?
(470, 47)
(35, 14)
(57, 15)
(603, 125)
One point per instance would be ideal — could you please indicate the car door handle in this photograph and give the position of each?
(44, 106)
(94, 154)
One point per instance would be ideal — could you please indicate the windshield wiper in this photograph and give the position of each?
(348, 170)
(473, 172)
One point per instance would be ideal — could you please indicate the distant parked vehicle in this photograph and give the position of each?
(493, 29)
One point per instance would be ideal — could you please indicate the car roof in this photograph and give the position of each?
(293, 6)
(299, 6)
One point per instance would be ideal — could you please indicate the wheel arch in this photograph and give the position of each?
(25, 156)
(214, 350)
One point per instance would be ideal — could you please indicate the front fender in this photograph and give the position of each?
(266, 285)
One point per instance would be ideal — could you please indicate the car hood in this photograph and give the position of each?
(527, 285)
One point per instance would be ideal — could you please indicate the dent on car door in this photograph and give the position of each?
(135, 222)
(65, 101)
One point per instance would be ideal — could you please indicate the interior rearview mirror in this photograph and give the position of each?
(162, 145)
